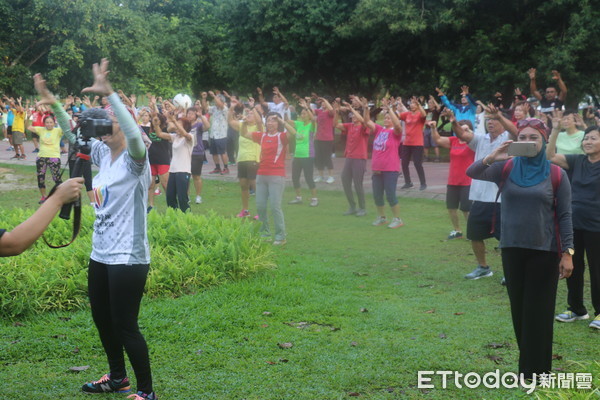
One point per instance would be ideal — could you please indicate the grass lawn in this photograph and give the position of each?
(364, 308)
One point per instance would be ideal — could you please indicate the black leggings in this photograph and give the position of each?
(416, 154)
(306, 165)
(115, 293)
(531, 281)
(585, 242)
(177, 190)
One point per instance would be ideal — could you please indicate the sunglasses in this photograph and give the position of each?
(534, 123)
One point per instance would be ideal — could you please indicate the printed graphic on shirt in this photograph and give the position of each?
(380, 141)
(100, 196)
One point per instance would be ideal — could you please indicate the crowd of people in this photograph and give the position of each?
(545, 220)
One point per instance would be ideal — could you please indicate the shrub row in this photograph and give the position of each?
(189, 252)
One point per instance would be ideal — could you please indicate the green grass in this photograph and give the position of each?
(421, 314)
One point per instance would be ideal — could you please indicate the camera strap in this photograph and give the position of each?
(76, 219)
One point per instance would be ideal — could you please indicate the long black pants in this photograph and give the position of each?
(115, 293)
(588, 242)
(177, 190)
(414, 153)
(531, 281)
(306, 165)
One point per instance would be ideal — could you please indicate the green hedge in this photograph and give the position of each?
(189, 252)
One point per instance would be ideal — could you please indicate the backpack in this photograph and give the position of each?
(555, 177)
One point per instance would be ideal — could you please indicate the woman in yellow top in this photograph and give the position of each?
(248, 152)
(49, 154)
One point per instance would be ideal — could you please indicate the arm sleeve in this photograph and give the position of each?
(563, 212)
(63, 121)
(493, 173)
(135, 144)
(448, 104)
(472, 102)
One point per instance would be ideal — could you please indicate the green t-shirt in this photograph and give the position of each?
(569, 144)
(303, 139)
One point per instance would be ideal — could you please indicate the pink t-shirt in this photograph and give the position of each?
(385, 150)
(272, 152)
(324, 125)
(357, 141)
(414, 128)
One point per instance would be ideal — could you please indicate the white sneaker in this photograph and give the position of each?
(157, 191)
(318, 179)
(396, 223)
(5, 139)
(314, 202)
(330, 179)
(198, 199)
(379, 221)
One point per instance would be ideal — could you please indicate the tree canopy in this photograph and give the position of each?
(340, 46)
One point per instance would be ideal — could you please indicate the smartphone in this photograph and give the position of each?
(523, 149)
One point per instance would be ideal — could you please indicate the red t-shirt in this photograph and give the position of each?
(324, 125)
(272, 152)
(357, 141)
(38, 118)
(461, 158)
(413, 127)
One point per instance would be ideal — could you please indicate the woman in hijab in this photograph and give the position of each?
(536, 241)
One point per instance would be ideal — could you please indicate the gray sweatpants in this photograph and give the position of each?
(269, 189)
(354, 171)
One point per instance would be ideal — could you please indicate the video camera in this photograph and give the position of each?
(93, 128)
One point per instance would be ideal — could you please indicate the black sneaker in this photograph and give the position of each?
(407, 186)
(107, 385)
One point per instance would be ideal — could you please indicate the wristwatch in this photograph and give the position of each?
(569, 251)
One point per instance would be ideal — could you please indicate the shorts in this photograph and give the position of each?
(456, 195)
(159, 169)
(197, 163)
(17, 137)
(247, 170)
(428, 141)
(9, 130)
(218, 146)
(479, 224)
(35, 136)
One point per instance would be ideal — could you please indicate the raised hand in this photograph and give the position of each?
(40, 86)
(556, 118)
(439, 92)
(531, 73)
(464, 90)
(556, 75)
(101, 83)
(517, 91)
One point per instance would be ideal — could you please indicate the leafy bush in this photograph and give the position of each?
(189, 252)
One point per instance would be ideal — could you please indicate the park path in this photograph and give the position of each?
(435, 173)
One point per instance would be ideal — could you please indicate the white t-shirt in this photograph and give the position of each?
(279, 108)
(120, 198)
(482, 145)
(182, 153)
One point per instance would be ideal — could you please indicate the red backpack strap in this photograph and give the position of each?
(505, 173)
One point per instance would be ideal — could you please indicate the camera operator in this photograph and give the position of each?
(25, 234)
(120, 257)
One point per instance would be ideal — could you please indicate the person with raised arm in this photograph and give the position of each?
(270, 179)
(552, 99)
(412, 147)
(248, 151)
(120, 258)
(536, 241)
(385, 164)
(584, 171)
(356, 155)
(459, 184)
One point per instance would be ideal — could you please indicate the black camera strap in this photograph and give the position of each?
(76, 219)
